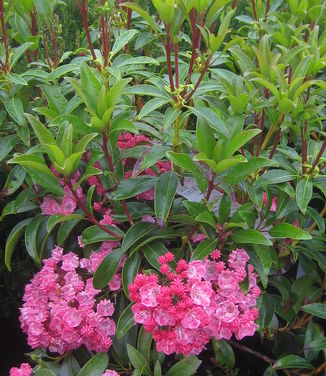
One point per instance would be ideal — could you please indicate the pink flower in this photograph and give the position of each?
(148, 294)
(49, 206)
(110, 373)
(238, 259)
(24, 370)
(107, 220)
(148, 218)
(201, 293)
(198, 238)
(274, 202)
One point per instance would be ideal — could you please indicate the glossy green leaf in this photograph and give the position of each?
(165, 190)
(186, 367)
(250, 237)
(15, 109)
(153, 251)
(13, 239)
(204, 248)
(125, 322)
(303, 194)
(122, 40)
(286, 230)
(129, 271)
(135, 233)
(274, 177)
(239, 140)
(292, 361)
(138, 361)
(94, 234)
(133, 186)
(144, 343)
(107, 268)
(14, 181)
(95, 366)
(6, 144)
(315, 309)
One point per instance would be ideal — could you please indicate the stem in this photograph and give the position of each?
(260, 138)
(253, 141)
(83, 8)
(267, 8)
(210, 187)
(176, 63)
(304, 148)
(105, 39)
(321, 152)
(176, 134)
(127, 213)
(268, 137)
(255, 353)
(90, 216)
(168, 56)
(277, 140)
(254, 10)
(199, 79)
(193, 52)
(4, 35)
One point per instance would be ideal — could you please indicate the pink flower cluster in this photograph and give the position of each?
(201, 299)
(24, 370)
(62, 311)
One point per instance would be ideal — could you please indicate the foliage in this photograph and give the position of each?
(172, 125)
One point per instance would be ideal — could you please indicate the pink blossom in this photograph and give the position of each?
(201, 293)
(148, 294)
(107, 220)
(110, 373)
(24, 370)
(198, 238)
(274, 202)
(148, 218)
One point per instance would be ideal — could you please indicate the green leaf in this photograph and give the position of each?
(15, 109)
(212, 119)
(145, 15)
(224, 354)
(241, 171)
(125, 322)
(56, 101)
(122, 40)
(303, 194)
(135, 233)
(152, 105)
(12, 240)
(274, 177)
(285, 230)
(61, 71)
(94, 234)
(19, 52)
(165, 190)
(65, 229)
(292, 361)
(14, 181)
(95, 366)
(107, 268)
(153, 251)
(31, 237)
(16, 79)
(44, 372)
(138, 361)
(239, 140)
(266, 311)
(250, 236)
(43, 134)
(205, 138)
(144, 343)
(43, 8)
(183, 160)
(123, 125)
(129, 271)
(91, 86)
(207, 217)
(315, 309)
(186, 367)
(204, 248)
(6, 144)
(133, 186)
(152, 155)
(38, 170)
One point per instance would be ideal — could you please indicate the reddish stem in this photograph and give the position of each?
(253, 141)
(168, 56)
(276, 142)
(105, 39)
(304, 147)
(267, 8)
(254, 10)
(54, 45)
(4, 37)
(127, 212)
(90, 216)
(176, 62)
(260, 138)
(199, 79)
(320, 154)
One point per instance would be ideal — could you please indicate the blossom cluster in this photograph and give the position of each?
(62, 310)
(201, 299)
(24, 370)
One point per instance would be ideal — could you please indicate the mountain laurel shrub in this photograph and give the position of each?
(167, 173)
